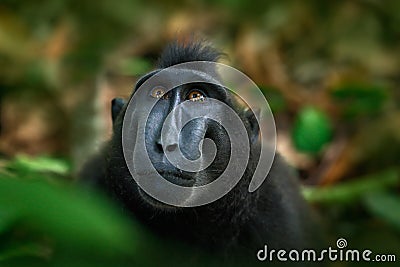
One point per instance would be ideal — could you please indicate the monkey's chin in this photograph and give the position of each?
(154, 203)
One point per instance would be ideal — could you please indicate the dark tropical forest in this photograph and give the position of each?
(330, 71)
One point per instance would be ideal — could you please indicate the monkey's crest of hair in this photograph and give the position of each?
(181, 52)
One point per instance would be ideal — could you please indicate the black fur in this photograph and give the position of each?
(176, 53)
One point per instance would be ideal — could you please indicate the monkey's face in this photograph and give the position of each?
(175, 134)
(186, 139)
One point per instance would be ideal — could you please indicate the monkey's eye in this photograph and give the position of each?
(159, 92)
(195, 96)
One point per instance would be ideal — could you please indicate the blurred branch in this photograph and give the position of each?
(349, 191)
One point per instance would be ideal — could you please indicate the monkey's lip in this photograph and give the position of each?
(174, 175)
(178, 178)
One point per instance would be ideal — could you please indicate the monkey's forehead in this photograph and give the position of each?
(178, 75)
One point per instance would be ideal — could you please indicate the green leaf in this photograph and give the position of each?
(384, 205)
(39, 164)
(358, 99)
(7, 216)
(67, 226)
(24, 250)
(70, 216)
(275, 99)
(312, 130)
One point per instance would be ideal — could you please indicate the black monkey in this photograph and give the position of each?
(240, 223)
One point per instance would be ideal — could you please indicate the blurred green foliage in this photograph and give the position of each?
(134, 66)
(40, 213)
(353, 191)
(23, 165)
(276, 101)
(45, 221)
(358, 100)
(312, 130)
(385, 206)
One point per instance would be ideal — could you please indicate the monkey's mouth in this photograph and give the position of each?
(175, 175)
(178, 177)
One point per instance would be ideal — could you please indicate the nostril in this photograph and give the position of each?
(171, 148)
(159, 147)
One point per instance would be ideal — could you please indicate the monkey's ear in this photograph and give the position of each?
(254, 127)
(116, 106)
